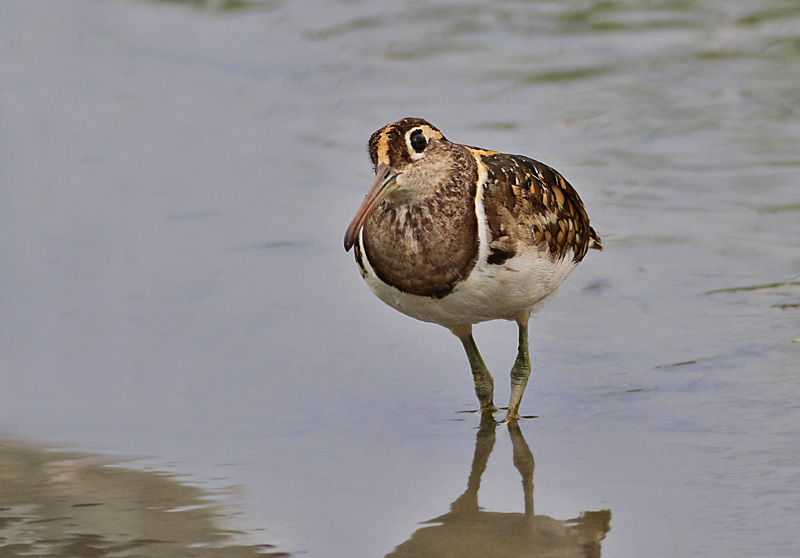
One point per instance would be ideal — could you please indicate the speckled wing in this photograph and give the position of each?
(529, 204)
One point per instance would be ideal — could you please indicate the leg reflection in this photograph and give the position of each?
(469, 531)
(484, 444)
(523, 461)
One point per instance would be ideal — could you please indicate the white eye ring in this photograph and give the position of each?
(417, 141)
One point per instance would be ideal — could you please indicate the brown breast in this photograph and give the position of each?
(428, 246)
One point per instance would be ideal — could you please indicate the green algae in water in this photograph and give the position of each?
(754, 287)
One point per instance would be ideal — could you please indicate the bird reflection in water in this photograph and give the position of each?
(467, 531)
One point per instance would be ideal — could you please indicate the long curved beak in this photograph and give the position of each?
(385, 182)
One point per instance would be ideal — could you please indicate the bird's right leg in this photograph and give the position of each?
(484, 383)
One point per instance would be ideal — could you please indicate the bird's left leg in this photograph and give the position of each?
(521, 369)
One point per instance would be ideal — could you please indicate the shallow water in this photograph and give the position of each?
(176, 180)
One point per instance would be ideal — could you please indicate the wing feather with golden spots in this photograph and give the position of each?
(528, 204)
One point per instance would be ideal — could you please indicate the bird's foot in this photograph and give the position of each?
(487, 416)
(486, 413)
(514, 416)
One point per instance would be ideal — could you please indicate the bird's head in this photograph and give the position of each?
(409, 157)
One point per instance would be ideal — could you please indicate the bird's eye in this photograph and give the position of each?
(418, 141)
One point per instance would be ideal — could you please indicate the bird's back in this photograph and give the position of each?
(529, 205)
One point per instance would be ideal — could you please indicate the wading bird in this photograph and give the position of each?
(457, 235)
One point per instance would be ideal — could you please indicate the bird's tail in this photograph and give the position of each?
(595, 242)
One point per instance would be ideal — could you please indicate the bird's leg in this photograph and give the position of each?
(484, 383)
(521, 369)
